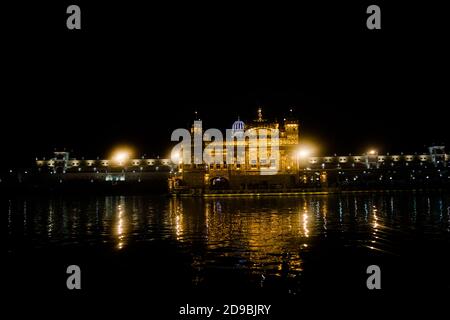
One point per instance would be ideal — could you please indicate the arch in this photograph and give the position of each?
(219, 183)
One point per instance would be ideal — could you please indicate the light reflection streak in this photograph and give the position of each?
(366, 211)
(121, 224)
(50, 223)
(341, 210)
(375, 226)
(178, 225)
(392, 206)
(375, 219)
(305, 224)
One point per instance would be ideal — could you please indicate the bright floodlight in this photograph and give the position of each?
(121, 156)
(175, 156)
(372, 151)
(303, 153)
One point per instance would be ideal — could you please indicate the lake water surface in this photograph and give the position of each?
(287, 246)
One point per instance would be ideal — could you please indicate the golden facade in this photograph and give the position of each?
(270, 160)
(258, 154)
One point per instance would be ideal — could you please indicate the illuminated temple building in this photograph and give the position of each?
(296, 169)
(252, 168)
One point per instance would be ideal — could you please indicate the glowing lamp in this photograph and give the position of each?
(303, 153)
(121, 156)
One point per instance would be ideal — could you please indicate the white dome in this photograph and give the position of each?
(238, 127)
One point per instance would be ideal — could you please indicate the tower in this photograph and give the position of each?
(291, 128)
(437, 154)
(197, 140)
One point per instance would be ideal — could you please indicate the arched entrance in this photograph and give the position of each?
(219, 183)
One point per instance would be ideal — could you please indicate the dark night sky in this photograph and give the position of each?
(134, 73)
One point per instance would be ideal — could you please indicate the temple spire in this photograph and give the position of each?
(260, 118)
(196, 116)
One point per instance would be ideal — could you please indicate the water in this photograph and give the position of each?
(275, 246)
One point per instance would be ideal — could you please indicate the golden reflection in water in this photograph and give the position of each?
(305, 221)
(375, 219)
(176, 218)
(325, 214)
(375, 226)
(263, 240)
(120, 226)
(179, 225)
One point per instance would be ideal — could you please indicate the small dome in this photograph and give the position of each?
(238, 127)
